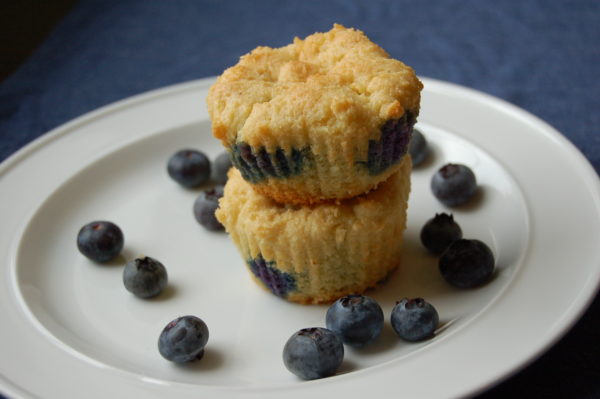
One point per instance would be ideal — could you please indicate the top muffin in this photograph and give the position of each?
(327, 117)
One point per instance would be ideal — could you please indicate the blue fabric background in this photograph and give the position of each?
(542, 55)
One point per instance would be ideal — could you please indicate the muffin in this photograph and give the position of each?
(324, 118)
(318, 253)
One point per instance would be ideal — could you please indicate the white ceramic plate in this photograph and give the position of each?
(71, 330)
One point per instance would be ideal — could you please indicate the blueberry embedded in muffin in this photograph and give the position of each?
(393, 144)
(278, 282)
(259, 164)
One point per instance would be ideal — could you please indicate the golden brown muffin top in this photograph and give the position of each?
(334, 83)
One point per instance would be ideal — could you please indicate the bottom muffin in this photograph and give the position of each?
(317, 253)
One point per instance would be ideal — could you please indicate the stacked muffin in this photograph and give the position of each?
(318, 133)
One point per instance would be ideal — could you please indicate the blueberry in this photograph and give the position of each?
(277, 281)
(417, 147)
(467, 263)
(221, 166)
(454, 184)
(392, 145)
(183, 339)
(313, 353)
(258, 164)
(357, 319)
(190, 168)
(145, 277)
(205, 206)
(100, 241)
(438, 233)
(414, 319)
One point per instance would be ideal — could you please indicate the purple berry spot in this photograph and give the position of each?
(280, 283)
(257, 164)
(393, 144)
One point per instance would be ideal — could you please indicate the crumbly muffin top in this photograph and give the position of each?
(334, 83)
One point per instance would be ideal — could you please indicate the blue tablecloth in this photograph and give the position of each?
(542, 55)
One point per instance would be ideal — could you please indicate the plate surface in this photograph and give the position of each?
(76, 332)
